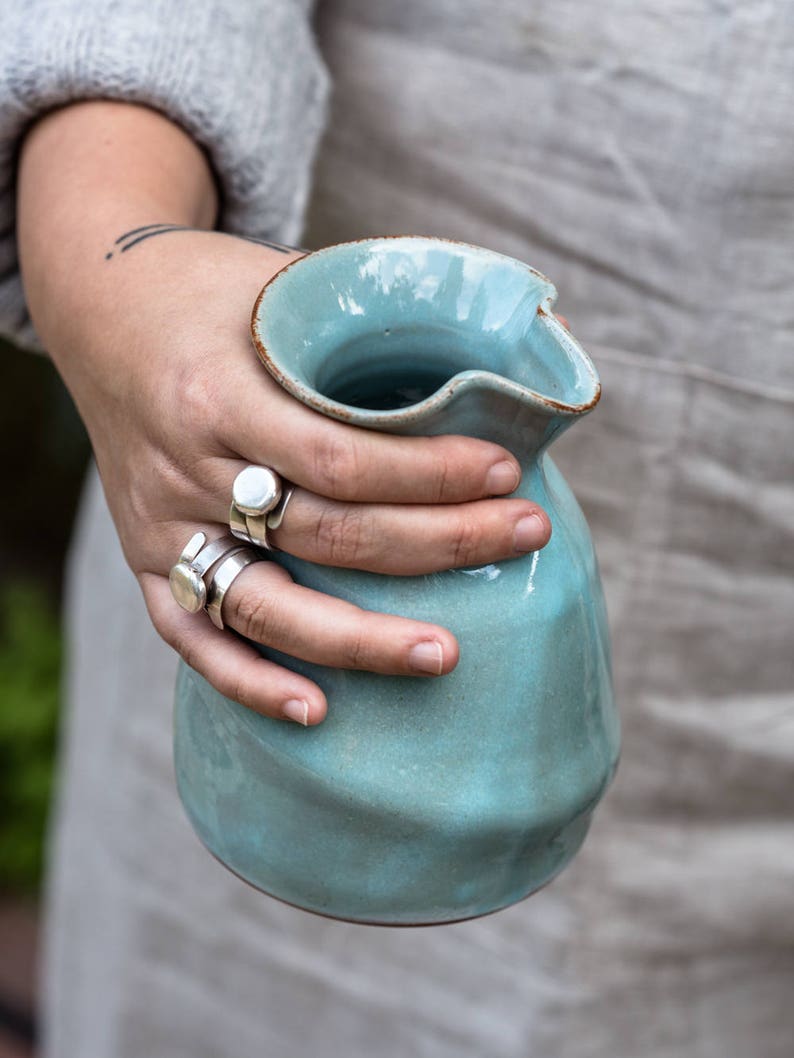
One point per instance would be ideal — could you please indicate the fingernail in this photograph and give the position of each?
(296, 709)
(427, 657)
(502, 477)
(528, 533)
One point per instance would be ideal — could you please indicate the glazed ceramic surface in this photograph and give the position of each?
(419, 800)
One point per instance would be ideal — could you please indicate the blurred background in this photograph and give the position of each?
(45, 452)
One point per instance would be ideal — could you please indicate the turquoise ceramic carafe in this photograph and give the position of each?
(424, 801)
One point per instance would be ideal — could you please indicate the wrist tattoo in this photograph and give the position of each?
(148, 231)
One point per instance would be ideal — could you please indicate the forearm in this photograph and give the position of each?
(87, 174)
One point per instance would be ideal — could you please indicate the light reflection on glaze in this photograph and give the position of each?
(490, 572)
(533, 565)
(347, 303)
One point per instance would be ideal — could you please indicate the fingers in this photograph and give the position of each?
(406, 539)
(265, 605)
(233, 667)
(350, 463)
(401, 539)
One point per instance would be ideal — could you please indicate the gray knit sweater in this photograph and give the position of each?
(243, 77)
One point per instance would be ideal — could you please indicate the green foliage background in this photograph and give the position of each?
(30, 657)
(44, 450)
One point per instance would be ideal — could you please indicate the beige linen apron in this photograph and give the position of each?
(642, 155)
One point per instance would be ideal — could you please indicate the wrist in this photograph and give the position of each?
(89, 173)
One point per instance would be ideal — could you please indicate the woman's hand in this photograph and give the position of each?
(152, 340)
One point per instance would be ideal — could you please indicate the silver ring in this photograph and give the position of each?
(186, 577)
(256, 490)
(259, 500)
(276, 516)
(237, 524)
(252, 529)
(223, 578)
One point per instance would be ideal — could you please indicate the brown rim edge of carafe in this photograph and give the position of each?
(339, 410)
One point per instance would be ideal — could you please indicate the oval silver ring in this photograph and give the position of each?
(186, 577)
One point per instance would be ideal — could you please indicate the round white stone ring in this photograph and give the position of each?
(256, 490)
(259, 499)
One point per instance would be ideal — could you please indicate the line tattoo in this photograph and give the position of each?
(145, 227)
(136, 236)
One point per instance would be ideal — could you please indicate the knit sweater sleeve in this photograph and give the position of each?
(243, 77)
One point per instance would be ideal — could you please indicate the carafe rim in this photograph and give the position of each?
(457, 384)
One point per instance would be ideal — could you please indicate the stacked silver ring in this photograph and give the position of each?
(205, 571)
(223, 578)
(259, 500)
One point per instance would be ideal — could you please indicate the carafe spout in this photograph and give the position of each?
(424, 337)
